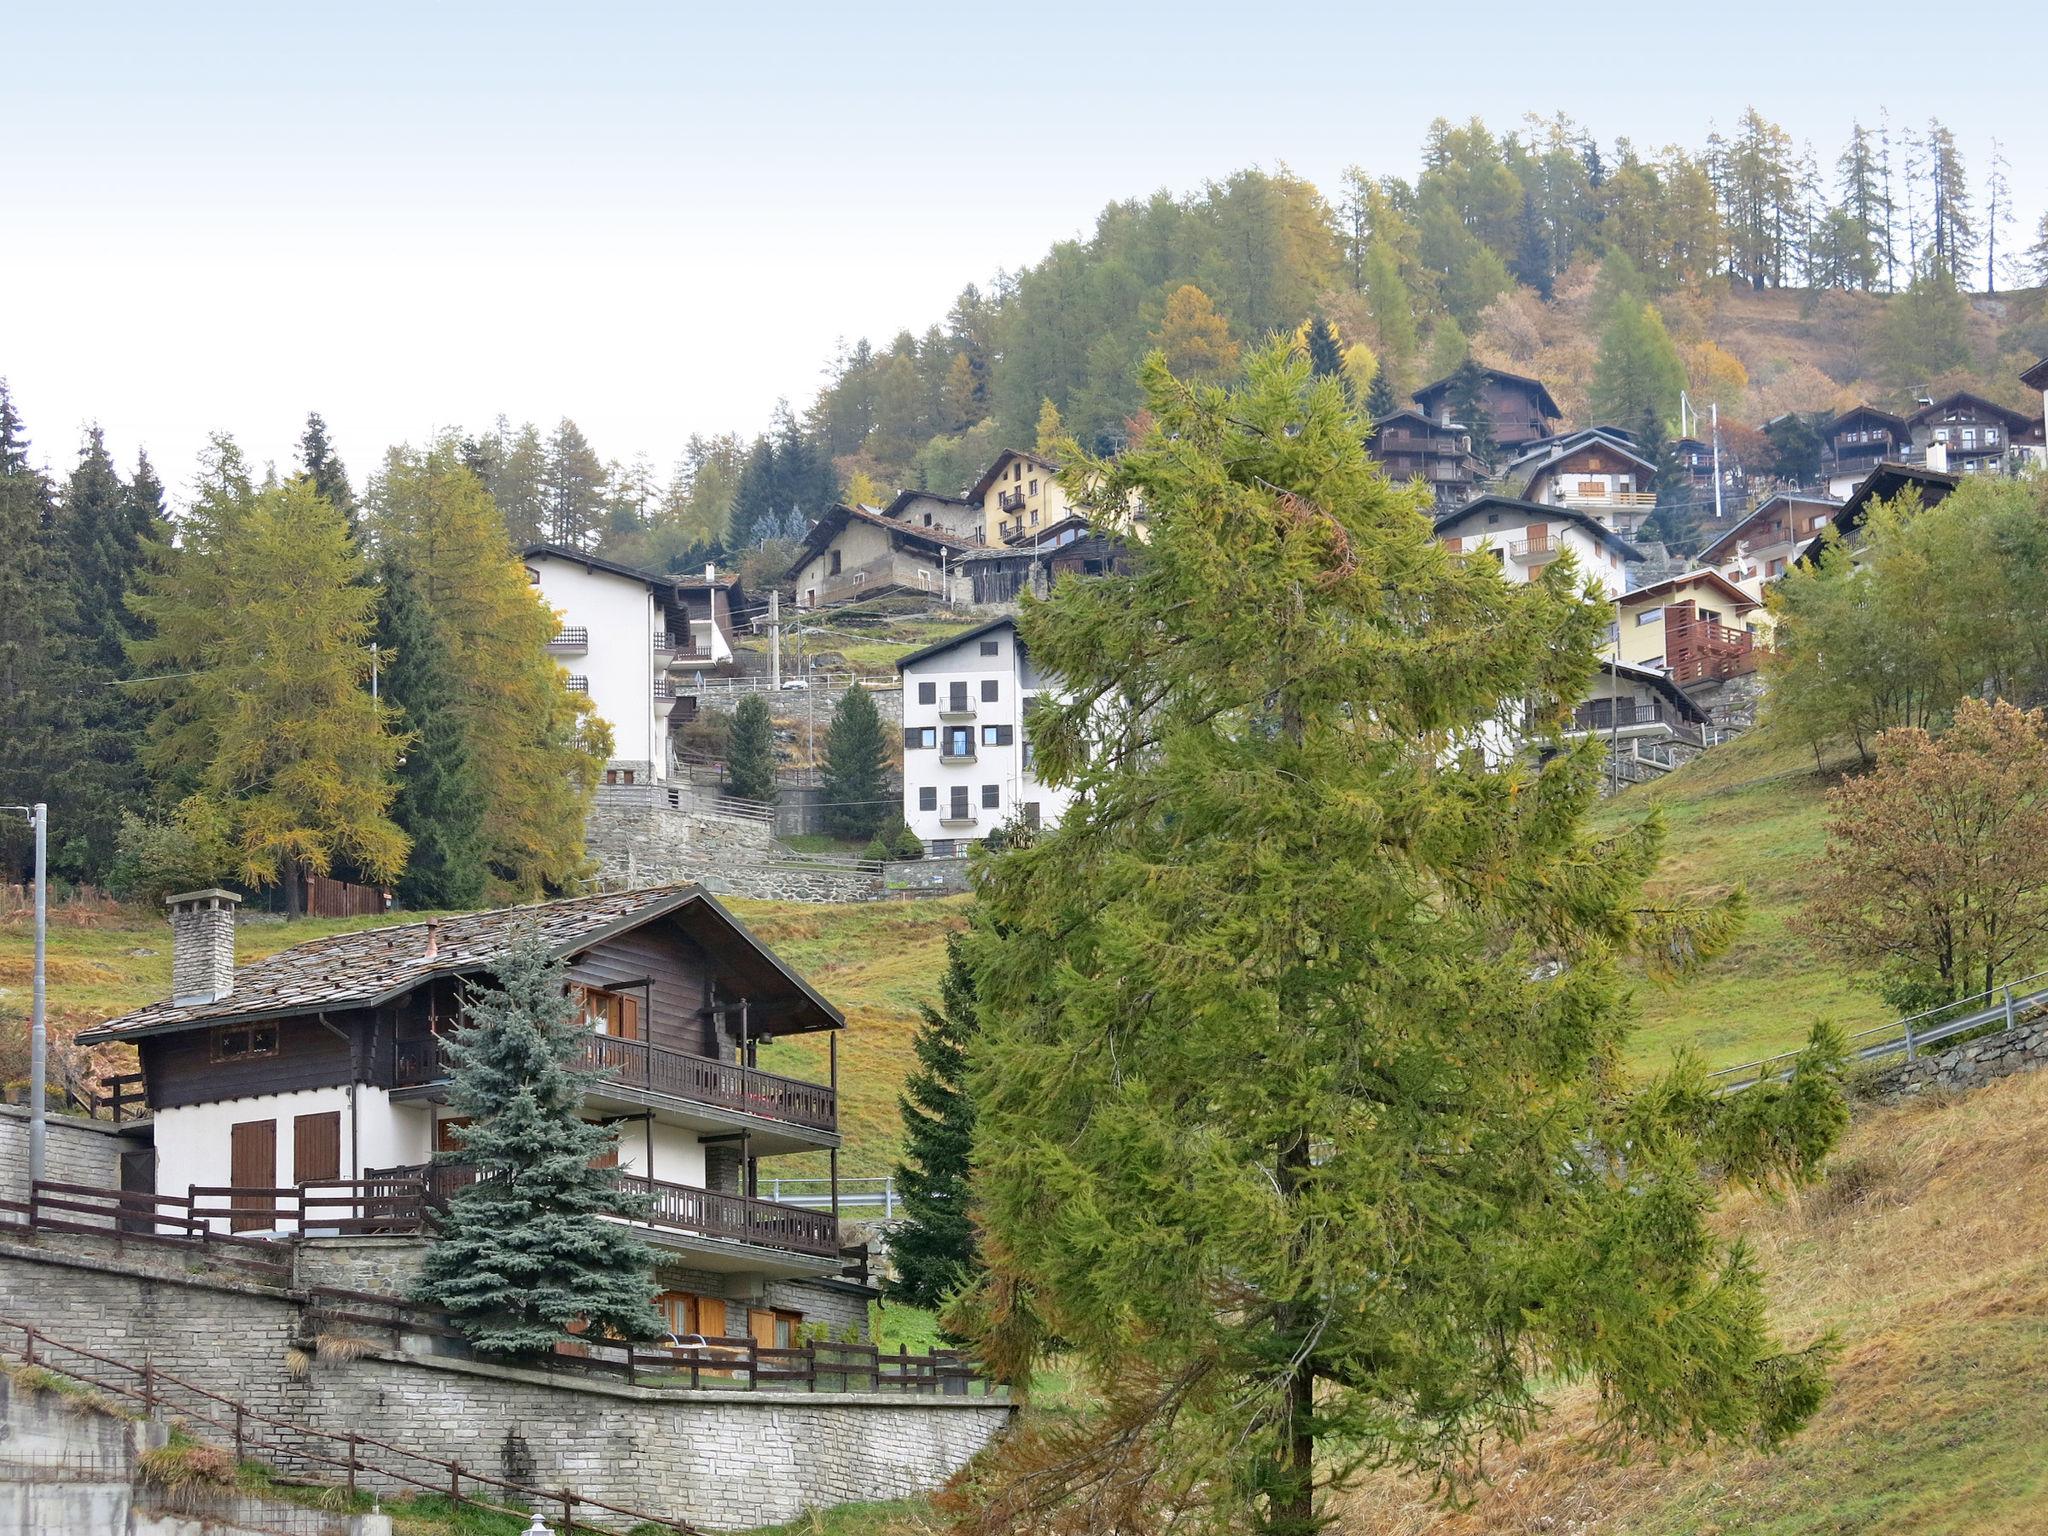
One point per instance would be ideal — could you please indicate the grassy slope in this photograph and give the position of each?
(1747, 813)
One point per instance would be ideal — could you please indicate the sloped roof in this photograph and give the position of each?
(1546, 404)
(1003, 461)
(938, 647)
(1896, 423)
(1742, 601)
(1883, 483)
(1534, 510)
(1565, 447)
(2012, 418)
(2036, 377)
(818, 538)
(359, 970)
(1661, 684)
(1727, 541)
(902, 500)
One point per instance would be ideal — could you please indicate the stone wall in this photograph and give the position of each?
(718, 1459)
(925, 877)
(2023, 1048)
(639, 839)
(75, 1151)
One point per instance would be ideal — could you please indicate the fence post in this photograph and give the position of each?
(238, 1433)
(454, 1482)
(2008, 1005)
(148, 1386)
(568, 1510)
(1909, 1038)
(351, 1465)
(889, 1198)
(28, 1348)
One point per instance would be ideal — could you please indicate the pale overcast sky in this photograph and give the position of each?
(659, 218)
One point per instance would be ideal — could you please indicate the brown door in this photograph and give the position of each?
(444, 1133)
(316, 1148)
(252, 1166)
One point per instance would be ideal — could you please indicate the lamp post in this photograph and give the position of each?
(38, 1036)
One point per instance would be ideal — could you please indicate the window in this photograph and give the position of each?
(1031, 813)
(611, 775)
(1941, 434)
(1775, 568)
(1991, 437)
(1030, 754)
(920, 736)
(245, 1041)
(927, 693)
(988, 690)
(959, 741)
(988, 647)
(532, 577)
(1034, 487)
(1969, 437)
(960, 811)
(996, 735)
(627, 776)
(610, 1013)
(834, 568)
(1649, 616)
(991, 796)
(928, 797)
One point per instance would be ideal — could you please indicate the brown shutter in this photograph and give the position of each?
(252, 1165)
(711, 1317)
(316, 1147)
(629, 1018)
(444, 1133)
(762, 1326)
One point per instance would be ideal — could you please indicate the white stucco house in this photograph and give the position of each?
(967, 758)
(1526, 536)
(628, 638)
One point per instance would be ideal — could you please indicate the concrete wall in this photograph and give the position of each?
(719, 1459)
(74, 1151)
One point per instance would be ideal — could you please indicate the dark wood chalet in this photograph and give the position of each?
(1969, 435)
(1519, 409)
(328, 1062)
(1414, 446)
(1859, 440)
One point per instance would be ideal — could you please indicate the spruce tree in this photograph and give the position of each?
(1326, 354)
(1467, 400)
(1379, 400)
(440, 802)
(34, 610)
(750, 751)
(856, 779)
(318, 459)
(524, 1251)
(933, 1250)
(1300, 1110)
(1531, 265)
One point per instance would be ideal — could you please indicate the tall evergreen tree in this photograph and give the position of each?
(318, 459)
(750, 751)
(524, 1251)
(1951, 231)
(440, 802)
(35, 685)
(1379, 399)
(1299, 1110)
(1638, 369)
(1326, 353)
(574, 488)
(1467, 401)
(933, 1251)
(1531, 265)
(856, 778)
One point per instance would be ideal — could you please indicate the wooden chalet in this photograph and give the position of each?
(1518, 409)
(1965, 433)
(1412, 445)
(1887, 482)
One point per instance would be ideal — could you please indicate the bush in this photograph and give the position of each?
(878, 848)
(155, 859)
(906, 844)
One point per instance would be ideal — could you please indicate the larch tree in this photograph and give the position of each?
(1393, 316)
(933, 1250)
(440, 801)
(1300, 1115)
(1194, 337)
(524, 1258)
(574, 489)
(1639, 369)
(537, 748)
(750, 751)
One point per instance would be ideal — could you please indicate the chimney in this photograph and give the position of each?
(202, 945)
(433, 938)
(1937, 457)
(711, 570)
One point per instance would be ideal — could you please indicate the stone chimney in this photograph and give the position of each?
(202, 945)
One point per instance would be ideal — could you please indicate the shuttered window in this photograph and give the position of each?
(316, 1147)
(252, 1165)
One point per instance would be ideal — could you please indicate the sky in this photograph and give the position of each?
(658, 220)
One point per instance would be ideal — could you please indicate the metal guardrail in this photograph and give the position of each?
(2002, 1006)
(877, 1194)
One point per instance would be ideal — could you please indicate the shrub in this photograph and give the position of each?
(878, 848)
(906, 844)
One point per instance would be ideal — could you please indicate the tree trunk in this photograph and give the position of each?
(294, 891)
(1291, 1510)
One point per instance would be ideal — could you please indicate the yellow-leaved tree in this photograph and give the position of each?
(537, 748)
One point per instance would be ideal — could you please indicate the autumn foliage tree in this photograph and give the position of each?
(1935, 881)
(1194, 337)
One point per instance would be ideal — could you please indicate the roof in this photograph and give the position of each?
(1661, 684)
(1670, 584)
(901, 501)
(1896, 423)
(362, 970)
(820, 535)
(2036, 377)
(1546, 404)
(659, 580)
(1729, 539)
(1441, 428)
(1886, 481)
(1548, 514)
(965, 635)
(2012, 418)
(1003, 460)
(1564, 448)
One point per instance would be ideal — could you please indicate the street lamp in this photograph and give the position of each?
(38, 817)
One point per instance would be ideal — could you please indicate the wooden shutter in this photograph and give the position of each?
(629, 1017)
(711, 1317)
(444, 1133)
(252, 1165)
(316, 1147)
(761, 1326)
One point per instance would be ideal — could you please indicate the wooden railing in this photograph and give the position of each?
(1703, 650)
(678, 1074)
(342, 1458)
(717, 1364)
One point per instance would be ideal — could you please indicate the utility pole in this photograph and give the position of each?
(1716, 408)
(775, 639)
(38, 1031)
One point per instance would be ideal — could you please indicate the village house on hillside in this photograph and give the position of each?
(1648, 724)
(628, 639)
(1598, 471)
(327, 1062)
(1021, 499)
(1519, 410)
(854, 553)
(1525, 537)
(2036, 377)
(967, 758)
(1888, 482)
(1966, 434)
(1694, 627)
(1856, 442)
(1759, 548)
(1412, 445)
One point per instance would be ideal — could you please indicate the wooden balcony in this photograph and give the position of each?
(1702, 652)
(654, 1069)
(1535, 551)
(1644, 501)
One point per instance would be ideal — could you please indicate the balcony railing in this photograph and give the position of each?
(681, 648)
(1010, 501)
(1643, 499)
(657, 1069)
(578, 683)
(573, 638)
(1535, 551)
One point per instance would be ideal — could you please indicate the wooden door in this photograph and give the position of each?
(252, 1166)
(444, 1133)
(316, 1148)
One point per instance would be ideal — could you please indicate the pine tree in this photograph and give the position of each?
(524, 1251)
(440, 803)
(1466, 399)
(750, 751)
(856, 777)
(933, 1250)
(1299, 1110)
(1531, 265)
(318, 459)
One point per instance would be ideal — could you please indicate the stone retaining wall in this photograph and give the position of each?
(75, 1151)
(2022, 1048)
(717, 1459)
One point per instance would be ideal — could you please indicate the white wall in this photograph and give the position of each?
(1017, 683)
(1598, 561)
(621, 615)
(678, 1155)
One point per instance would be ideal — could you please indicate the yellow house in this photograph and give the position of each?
(1694, 626)
(1021, 498)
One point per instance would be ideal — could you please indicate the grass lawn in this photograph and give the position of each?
(1748, 813)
